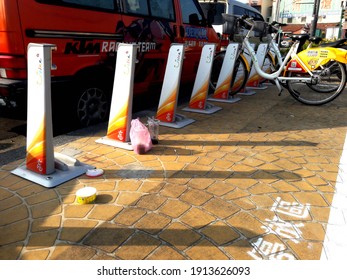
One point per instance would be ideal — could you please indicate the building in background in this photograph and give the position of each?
(296, 13)
(331, 19)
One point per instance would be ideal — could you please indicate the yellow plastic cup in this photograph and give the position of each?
(86, 195)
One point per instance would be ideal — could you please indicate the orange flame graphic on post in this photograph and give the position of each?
(36, 152)
(117, 128)
(222, 92)
(236, 85)
(199, 100)
(166, 111)
(253, 81)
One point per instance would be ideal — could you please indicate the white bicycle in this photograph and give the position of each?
(314, 76)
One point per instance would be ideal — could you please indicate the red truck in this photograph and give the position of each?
(86, 33)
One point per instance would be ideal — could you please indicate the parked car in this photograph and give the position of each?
(215, 9)
(86, 34)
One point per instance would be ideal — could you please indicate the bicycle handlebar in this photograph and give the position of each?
(278, 23)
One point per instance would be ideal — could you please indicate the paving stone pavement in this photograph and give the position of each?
(255, 180)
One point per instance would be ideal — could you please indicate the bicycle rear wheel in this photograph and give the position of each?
(269, 66)
(240, 74)
(330, 82)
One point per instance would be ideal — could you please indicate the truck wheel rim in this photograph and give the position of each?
(92, 107)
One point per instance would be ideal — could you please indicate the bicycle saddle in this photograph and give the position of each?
(278, 23)
(301, 38)
(336, 44)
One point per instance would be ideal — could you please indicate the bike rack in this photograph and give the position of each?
(166, 112)
(197, 103)
(254, 80)
(43, 166)
(118, 131)
(221, 93)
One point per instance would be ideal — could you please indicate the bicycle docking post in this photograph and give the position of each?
(254, 80)
(246, 91)
(166, 112)
(221, 93)
(198, 98)
(43, 166)
(118, 131)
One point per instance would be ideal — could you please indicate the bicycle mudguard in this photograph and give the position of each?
(312, 58)
(248, 66)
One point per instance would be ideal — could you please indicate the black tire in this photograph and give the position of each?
(332, 68)
(330, 82)
(216, 68)
(240, 74)
(268, 67)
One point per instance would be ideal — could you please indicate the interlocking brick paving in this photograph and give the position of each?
(255, 180)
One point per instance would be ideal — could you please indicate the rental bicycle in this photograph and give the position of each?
(314, 76)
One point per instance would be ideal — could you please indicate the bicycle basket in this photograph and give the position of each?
(230, 25)
(262, 27)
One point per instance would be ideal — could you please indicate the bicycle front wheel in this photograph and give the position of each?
(216, 68)
(239, 78)
(329, 82)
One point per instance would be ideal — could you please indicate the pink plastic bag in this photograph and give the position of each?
(140, 137)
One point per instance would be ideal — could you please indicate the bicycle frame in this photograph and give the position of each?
(273, 53)
(276, 76)
(273, 46)
(317, 59)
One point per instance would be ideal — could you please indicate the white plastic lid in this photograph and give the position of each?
(94, 172)
(86, 192)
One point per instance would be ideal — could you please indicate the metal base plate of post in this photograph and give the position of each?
(179, 122)
(209, 109)
(65, 170)
(260, 86)
(230, 99)
(247, 92)
(114, 143)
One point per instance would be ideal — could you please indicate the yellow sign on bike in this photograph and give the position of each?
(313, 58)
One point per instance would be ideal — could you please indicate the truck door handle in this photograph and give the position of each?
(182, 31)
(175, 30)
